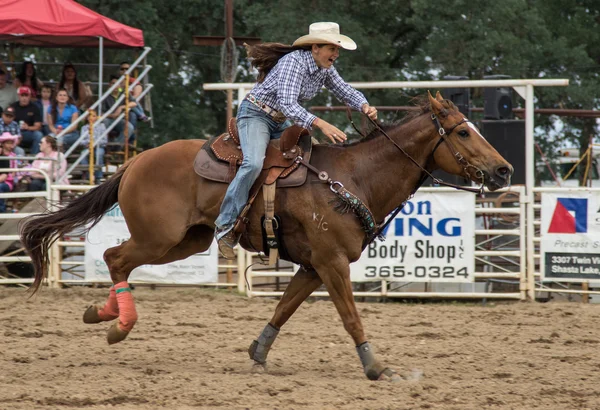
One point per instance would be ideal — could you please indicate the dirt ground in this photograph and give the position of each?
(188, 351)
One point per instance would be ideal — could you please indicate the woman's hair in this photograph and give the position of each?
(264, 56)
(52, 141)
(54, 106)
(61, 84)
(22, 76)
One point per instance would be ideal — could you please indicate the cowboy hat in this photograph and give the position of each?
(7, 136)
(325, 33)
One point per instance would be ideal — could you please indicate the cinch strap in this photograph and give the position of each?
(123, 290)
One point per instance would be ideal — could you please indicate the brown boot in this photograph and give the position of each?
(226, 243)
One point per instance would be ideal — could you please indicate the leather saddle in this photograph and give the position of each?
(220, 157)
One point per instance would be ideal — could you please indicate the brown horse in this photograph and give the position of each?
(170, 213)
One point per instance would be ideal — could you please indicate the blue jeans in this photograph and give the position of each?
(32, 139)
(4, 187)
(99, 160)
(120, 127)
(69, 139)
(255, 129)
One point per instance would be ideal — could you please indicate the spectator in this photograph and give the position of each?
(45, 101)
(7, 179)
(8, 124)
(29, 117)
(99, 149)
(134, 92)
(49, 160)
(107, 105)
(79, 93)
(8, 93)
(27, 78)
(61, 117)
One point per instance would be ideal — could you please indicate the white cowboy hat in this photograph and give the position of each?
(325, 33)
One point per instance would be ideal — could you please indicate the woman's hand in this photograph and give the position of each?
(370, 111)
(333, 133)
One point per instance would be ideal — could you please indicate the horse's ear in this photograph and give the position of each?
(439, 97)
(436, 107)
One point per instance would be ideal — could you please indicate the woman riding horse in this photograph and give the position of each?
(287, 75)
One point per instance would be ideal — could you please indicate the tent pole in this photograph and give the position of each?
(100, 74)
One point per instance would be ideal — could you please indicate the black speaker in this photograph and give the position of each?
(459, 96)
(497, 100)
(508, 137)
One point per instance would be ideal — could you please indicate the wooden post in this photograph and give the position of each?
(585, 297)
(91, 147)
(126, 129)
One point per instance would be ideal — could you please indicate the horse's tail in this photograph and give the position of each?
(39, 232)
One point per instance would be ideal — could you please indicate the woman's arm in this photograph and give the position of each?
(51, 122)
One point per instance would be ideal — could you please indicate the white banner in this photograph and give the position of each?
(112, 230)
(570, 237)
(431, 239)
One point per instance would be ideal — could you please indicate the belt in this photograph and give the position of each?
(277, 116)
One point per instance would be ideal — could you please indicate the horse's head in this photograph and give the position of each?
(466, 151)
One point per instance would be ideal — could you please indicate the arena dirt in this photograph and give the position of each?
(188, 351)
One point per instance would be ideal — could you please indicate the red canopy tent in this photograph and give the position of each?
(62, 23)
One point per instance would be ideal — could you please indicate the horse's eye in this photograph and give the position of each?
(463, 133)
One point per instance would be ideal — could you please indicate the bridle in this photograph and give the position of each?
(460, 159)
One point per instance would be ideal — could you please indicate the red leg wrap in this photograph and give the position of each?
(127, 314)
(110, 310)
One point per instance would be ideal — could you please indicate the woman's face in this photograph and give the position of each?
(29, 70)
(326, 55)
(44, 145)
(93, 116)
(69, 73)
(62, 97)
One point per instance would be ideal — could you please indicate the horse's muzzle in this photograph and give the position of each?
(499, 177)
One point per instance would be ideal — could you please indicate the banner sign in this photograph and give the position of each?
(112, 231)
(431, 239)
(570, 237)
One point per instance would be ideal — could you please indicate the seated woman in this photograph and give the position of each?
(49, 160)
(99, 149)
(61, 116)
(79, 93)
(27, 77)
(7, 179)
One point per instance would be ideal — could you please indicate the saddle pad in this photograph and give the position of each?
(208, 166)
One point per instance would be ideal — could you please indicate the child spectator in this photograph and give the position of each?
(45, 101)
(8, 93)
(27, 77)
(99, 149)
(62, 115)
(29, 117)
(79, 93)
(8, 124)
(55, 169)
(7, 179)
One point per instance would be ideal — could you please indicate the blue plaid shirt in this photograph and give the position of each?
(297, 78)
(13, 127)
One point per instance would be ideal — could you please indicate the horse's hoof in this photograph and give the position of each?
(91, 315)
(389, 375)
(259, 368)
(115, 334)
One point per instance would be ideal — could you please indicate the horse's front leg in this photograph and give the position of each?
(303, 283)
(336, 276)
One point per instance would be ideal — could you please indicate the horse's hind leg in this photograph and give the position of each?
(122, 259)
(303, 283)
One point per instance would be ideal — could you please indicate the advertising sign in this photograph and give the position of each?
(431, 239)
(112, 231)
(570, 237)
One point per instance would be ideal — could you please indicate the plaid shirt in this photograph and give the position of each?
(13, 127)
(297, 78)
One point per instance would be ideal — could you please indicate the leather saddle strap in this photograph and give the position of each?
(242, 221)
(269, 199)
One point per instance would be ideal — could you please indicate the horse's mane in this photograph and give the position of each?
(421, 102)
